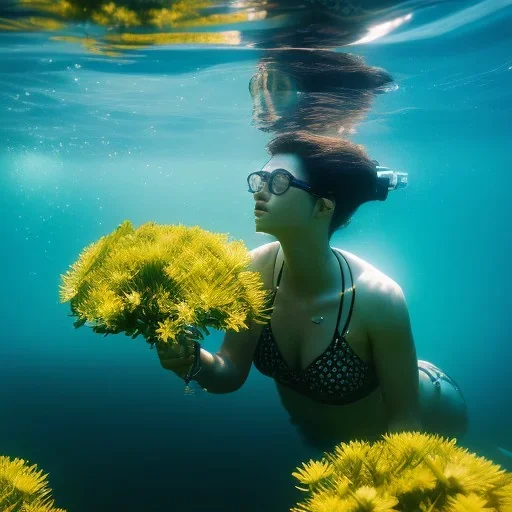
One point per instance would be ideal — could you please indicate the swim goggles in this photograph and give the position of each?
(280, 180)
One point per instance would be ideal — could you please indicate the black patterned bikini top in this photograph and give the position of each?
(338, 376)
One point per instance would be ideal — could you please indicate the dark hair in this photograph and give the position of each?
(321, 23)
(336, 168)
(337, 88)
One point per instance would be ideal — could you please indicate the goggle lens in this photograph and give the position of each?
(279, 183)
(255, 183)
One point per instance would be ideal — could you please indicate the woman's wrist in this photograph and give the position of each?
(196, 366)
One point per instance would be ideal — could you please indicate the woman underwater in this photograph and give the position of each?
(339, 345)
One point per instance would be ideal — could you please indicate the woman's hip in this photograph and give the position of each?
(442, 404)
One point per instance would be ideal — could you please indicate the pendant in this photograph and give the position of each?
(317, 319)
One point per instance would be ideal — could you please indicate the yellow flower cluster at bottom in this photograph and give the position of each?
(406, 472)
(24, 488)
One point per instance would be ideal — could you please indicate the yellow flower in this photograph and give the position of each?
(368, 500)
(340, 485)
(133, 299)
(351, 460)
(501, 497)
(324, 503)
(105, 305)
(236, 320)
(164, 301)
(186, 315)
(473, 473)
(167, 330)
(410, 446)
(465, 473)
(348, 453)
(313, 472)
(411, 480)
(469, 503)
(118, 277)
(427, 505)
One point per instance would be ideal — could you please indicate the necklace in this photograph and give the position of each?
(315, 319)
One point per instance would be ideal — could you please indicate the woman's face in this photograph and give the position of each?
(290, 211)
(274, 95)
(279, 105)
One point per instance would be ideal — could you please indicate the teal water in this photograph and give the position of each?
(165, 135)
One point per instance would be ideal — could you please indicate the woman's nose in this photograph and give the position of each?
(262, 194)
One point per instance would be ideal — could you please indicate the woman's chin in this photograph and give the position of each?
(259, 225)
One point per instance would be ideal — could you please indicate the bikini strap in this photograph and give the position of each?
(349, 289)
(280, 272)
(342, 294)
(278, 278)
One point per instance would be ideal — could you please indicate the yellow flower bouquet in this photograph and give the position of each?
(168, 283)
(409, 472)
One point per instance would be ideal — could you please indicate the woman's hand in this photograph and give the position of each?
(176, 357)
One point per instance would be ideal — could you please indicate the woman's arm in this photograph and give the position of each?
(227, 370)
(394, 356)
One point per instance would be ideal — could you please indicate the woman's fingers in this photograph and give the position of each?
(172, 357)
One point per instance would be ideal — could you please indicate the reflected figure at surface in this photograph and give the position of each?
(322, 92)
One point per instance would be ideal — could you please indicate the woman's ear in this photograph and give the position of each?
(325, 206)
(328, 204)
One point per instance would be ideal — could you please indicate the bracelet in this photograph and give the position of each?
(196, 365)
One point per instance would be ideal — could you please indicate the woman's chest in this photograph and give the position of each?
(303, 331)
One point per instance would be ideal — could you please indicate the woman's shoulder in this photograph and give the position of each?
(368, 278)
(267, 251)
(263, 258)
